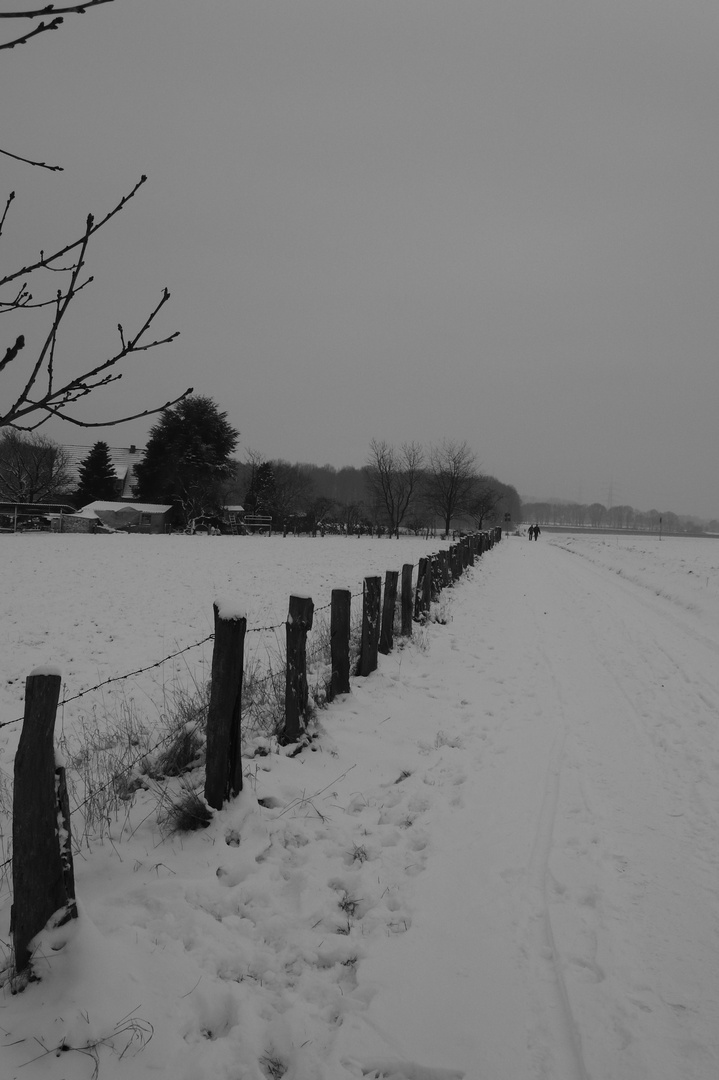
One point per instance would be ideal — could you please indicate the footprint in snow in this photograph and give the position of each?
(396, 1069)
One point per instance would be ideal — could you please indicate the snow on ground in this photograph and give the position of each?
(497, 860)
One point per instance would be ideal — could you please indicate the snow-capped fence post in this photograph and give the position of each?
(407, 602)
(386, 637)
(371, 595)
(43, 879)
(223, 770)
(299, 622)
(340, 643)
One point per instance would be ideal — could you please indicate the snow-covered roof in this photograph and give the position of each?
(117, 507)
(123, 459)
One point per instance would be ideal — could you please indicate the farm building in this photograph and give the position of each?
(130, 517)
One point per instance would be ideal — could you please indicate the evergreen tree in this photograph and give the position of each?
(97, 477)
(260, 497)
(187, 458)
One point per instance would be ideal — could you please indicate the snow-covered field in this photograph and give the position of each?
(498, 860)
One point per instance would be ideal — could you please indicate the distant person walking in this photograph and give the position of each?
(537, 531)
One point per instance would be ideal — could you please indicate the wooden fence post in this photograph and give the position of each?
(419, 589)
(435, 572)
(386, 637)
(43, 882)
(371, 594)
(407, 601)
(444, 568)
(456, 561)
(340, 643)
(299, 622)
(427, 587)
(223, 769)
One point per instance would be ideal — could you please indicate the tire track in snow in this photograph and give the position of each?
(675, 664)
(556, 1044)
(531, 736)
(646, 744)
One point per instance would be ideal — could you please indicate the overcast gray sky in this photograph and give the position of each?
(491, 220)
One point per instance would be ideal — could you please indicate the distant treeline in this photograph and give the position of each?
(597, 516)
(344, 495)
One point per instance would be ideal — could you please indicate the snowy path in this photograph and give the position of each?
(498, 860)
(588, 723)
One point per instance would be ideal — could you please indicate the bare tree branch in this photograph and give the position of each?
(43, 395)
(41, 28)
(24, 299)
(29, 161)
(12, 351)
(35, 403)
(113, 423)
(92, 227)
(8, 202)
(55, 15)
(54, 9)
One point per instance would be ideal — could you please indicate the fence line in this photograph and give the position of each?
(196, 644)
(36, 813)
(159, 663)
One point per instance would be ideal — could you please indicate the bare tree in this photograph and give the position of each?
(41, 391)
(484, 500)
(393, 479)
(352, 515)
(294, 489)
(33, 469)
(450, 480)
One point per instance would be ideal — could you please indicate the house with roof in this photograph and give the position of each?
(130, 517)
(123, 458)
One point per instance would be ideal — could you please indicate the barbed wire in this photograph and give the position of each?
(264, 629)
(138, 671)
(120, 678)
(179, 652)
(129, 767)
